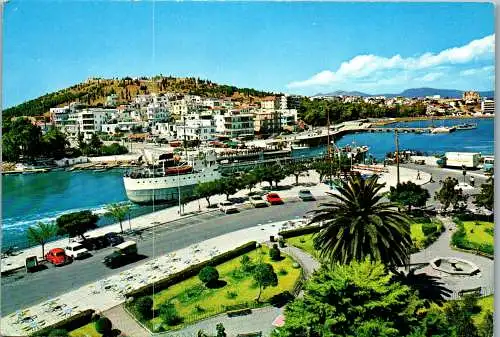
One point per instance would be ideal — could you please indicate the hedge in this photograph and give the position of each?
(68, 324)
(472, 217)
(300, 231)
(429, 228)
(191, 271)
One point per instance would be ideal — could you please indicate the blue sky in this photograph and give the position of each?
(296, 47)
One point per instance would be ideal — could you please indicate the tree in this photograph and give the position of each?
(296, 169)
(322, 168)
(144, 306)
(208, 275)
(103, 326)
(95, 144)
(21, 137)
(206, 190)
(486, 326)
(169, 313)
(357, 299)
(249, 180)
(221, 331)
(76, 223)
(265, 276)
(486, 197)
(228, 186)
(81, 142)
(356, 225)
(55, 143)
(274, 253)
(41, 234)
(409, 194)
(448, 195)
(459, 315)
(118, 212)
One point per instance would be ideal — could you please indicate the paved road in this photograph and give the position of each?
(37, 287)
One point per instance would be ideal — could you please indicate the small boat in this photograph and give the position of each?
(178, 169)
(101, 170)
(442, 129)
(466, 126)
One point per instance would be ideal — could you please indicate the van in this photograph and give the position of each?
(124, 253)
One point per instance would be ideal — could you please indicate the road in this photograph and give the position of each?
(21, 290)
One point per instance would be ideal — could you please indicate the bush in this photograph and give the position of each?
(274, 253)
(58, 333)
(281, 298)
(68, 324)
(199, 309)
(208, 275)
(169, 314)
(299, 231)
(429, 228)
(144, 307)
(231, 294)
(103, 326)
(282, 272)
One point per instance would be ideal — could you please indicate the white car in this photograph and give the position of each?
(227, 207)
(76, 250)
(257, 201)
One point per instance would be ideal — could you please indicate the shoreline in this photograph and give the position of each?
(427, 118)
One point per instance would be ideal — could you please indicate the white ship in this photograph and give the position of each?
(442, 129)
(163, 181)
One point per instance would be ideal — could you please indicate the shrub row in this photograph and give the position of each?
(191, 271)
(472, 217)
(429, 228)
(459, 239)
(68, 324)
(300, 231)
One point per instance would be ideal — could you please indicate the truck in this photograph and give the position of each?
(124, 253)
(488, 163)
(468, 160)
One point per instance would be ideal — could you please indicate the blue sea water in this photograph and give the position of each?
(27, 199)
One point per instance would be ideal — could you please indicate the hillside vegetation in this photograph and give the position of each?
(93, 92)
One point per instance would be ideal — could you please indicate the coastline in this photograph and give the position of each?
(427, 118)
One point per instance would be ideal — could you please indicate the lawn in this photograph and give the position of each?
(479, 233)
(304, 242)
(486, 304)
(417, 235)
(194, 301)
(87, 330)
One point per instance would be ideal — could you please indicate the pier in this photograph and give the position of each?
(402, 130)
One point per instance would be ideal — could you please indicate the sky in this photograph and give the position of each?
(293, 47)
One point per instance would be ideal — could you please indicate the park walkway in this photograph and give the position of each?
(442, 248)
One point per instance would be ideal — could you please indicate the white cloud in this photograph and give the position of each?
(477, 71)
(373, 67)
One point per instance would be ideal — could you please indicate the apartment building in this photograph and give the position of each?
(87, 121)
(196, 127)
(156, 112)
(488, 106)
(234, 123)
(289, 102)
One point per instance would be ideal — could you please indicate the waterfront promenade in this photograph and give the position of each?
(198, 206)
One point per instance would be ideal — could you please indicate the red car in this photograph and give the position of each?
(57, 256)
(274, 199)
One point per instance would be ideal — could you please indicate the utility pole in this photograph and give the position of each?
(397, 154)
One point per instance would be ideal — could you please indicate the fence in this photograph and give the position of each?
(480, 291)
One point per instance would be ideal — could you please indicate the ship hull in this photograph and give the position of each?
(165, 189)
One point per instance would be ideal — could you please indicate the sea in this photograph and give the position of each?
(33, 198)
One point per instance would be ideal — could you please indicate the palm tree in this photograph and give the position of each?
(118, 212)
(41, 234)
(357, 225)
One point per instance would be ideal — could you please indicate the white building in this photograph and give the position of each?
(119, 126)
(234, 124)
(488, 106)
(164, 130)
(196, 127)
(156, 112)
(288, 117)
(87, 121)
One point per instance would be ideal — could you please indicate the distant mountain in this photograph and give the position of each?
(345, 93)
(413, 92)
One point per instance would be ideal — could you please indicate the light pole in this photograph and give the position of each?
(397, 155)
(179, 191)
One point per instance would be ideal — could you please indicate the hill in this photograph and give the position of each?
(93, 92)
(413, 92)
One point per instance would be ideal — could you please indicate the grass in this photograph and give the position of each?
(87, 330)
(304, 242)
(479, 233)
(194, 301)
(417, 235)
(486, 304)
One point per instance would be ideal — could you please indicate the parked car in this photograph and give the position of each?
(257, 201)
(95, 243)
(113, 238)
(76, 250)
(124, 253)
(274, 199)
(306, 195)
(227, 207)
(57, 256)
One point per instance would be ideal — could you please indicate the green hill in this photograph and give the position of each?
(93, 92)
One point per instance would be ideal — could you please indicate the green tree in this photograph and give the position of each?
(486, 197)
(296, 169)
(264, 276)
(41, 234)
(76, 223)
(356, 225)
(55, 143)
(144, 306)
(323, 168)
(459, 315)
(95, 144)
(221, 331)
(206, 190)
(22, 138)
(103, 326)
(208, 275)
(448, 195)
(228, 186)
(409, 194)
(486, 326)
(249, 180)
(357, 299)
(118, 212)
(169, 313)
